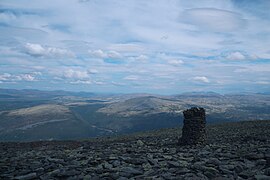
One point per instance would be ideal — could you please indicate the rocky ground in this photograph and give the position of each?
(233, 151)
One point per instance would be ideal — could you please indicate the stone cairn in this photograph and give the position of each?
(193, 131)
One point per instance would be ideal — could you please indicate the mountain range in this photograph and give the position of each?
(33, 115)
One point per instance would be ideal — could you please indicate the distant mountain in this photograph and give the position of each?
(43, 122)
(41, 94)
(27, 115)
(142, 106)
(200, 94)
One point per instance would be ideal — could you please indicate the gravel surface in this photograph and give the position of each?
(234, 151)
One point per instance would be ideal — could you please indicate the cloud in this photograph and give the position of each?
(140, 58)
(100, 83)
(104, 55)
(83, 1)
(7, 77)
(128, 47)
(118, 83)
(236, 56)
(98, 54)
(92, 71)
(41, 51)
(114, 55)
(213, 19)
(175, 62)
(131, 78)
(263, 82)
(81, 82)
(7, 17)
(219, 40)
(75, 74)
(202, 79)
(26, 77)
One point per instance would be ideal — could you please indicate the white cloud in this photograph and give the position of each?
(236, 56)
(202, 79)
(35, 49)
(213, 19)
(81, 82)
(25, 77)
(175, 62)
(131, 78)
(114, 55)
(118, 83)
(102, 54)
(92, 71)
(7, 17)
(6, 77)
(75, 74)
(263, 82)
(140, 58)
(99, 83)
(98, 54)
(126, 48)
(39, 50)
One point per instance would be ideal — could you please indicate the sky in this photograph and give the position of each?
(135, 46)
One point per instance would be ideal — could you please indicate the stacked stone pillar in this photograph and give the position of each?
(193, 131)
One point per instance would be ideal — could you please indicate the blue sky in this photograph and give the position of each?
(135, 46)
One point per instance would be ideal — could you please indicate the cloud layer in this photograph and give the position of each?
(153, 46)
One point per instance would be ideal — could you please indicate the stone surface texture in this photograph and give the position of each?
(232, 151)
(194, 130)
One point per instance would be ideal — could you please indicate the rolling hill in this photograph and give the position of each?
(60, 115)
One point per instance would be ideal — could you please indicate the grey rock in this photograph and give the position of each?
(108, 165)
(72, 172)
(55, 160)
(87, 177)
(262, 177)
(136, 161)
(153, 162)
(254, 156)
(246, 174)
(122, 178)
(166, 175)
(183, 163)
(199, 166)
(150, 172)
(54, 172)
(228, 167)
(26, 177)
(238, 168)
(211, 170)
(182, 171)
(167, 157)
(130, 171)
(261, 162)
(140, 143)
(225, 171)
(267, 172)
(116, 163)
(214, 161)
(173, 164)
(112, 157)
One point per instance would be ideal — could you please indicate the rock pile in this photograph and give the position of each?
(233, 151)
(193, 132)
